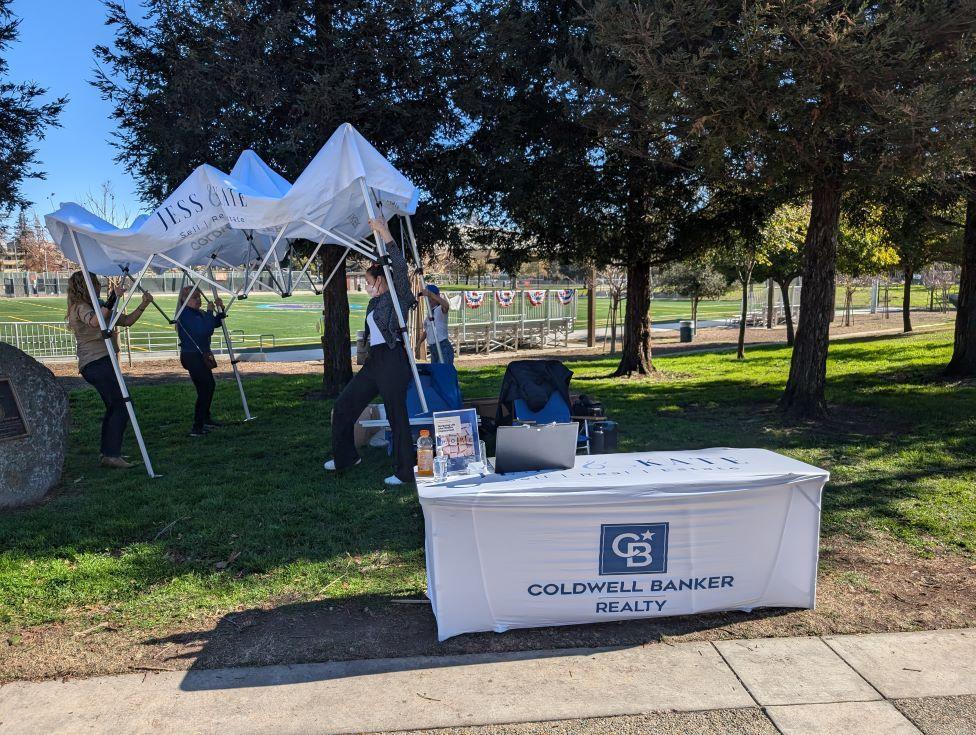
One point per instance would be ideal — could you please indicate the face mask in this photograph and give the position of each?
(372, 290)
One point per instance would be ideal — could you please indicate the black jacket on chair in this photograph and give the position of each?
(533, 381)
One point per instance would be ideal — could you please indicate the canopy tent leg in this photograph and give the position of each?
(230, 352)
(420, 267)
(113, 358)
(381, 250)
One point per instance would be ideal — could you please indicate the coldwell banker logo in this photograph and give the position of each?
(640, 548)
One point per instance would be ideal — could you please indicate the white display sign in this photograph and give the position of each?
(623, 536)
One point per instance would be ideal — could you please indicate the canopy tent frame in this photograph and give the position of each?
(346, 163)
(230, 350)
(135, 287)
(382, 257)
(420, 267)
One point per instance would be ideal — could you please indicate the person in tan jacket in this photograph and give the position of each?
(94, 363)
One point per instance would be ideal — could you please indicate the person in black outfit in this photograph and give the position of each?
(195, 328)
(386, 370)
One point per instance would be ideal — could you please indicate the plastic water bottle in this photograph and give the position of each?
(425, 454)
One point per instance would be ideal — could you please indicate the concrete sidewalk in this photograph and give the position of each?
(835, 684)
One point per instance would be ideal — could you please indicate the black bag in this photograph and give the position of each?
(587, 406)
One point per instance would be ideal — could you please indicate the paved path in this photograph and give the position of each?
(834, 684)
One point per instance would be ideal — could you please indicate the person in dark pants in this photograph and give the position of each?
(195, 328)
(94, 363)
(386, 371)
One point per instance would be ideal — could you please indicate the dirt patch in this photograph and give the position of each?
(864, 586)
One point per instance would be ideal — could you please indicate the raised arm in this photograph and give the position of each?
(438, 299)
(127, 320)
(398, 265)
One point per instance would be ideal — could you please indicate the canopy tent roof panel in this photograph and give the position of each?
(213, 212)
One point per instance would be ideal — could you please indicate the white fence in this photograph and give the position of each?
(485, 321)
(51, 340)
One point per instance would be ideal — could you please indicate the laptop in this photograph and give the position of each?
(533, 447)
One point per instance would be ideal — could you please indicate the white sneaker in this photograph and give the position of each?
(393, 480)
(330, 464)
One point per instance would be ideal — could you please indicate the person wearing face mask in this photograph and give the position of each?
(386, 370)
(195, 327)
(94, 363)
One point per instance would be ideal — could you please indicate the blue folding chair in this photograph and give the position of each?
(555, 411)
(442, 391)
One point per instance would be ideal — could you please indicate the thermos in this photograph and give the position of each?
(597, 439)
(603, 437)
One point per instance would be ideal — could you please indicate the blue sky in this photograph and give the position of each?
(55, 50)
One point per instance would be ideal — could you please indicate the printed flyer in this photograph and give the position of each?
(456, 438)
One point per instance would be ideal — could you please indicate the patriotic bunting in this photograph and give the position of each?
(536, 297)
(565, 296)
(505, 298)
(474, 299)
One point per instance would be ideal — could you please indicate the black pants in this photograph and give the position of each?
(386, 372)
(100, 374)
(203, 381)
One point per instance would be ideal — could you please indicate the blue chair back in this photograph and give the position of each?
(555, 410)
(440, 383)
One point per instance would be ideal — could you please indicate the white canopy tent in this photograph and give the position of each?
(247, 219)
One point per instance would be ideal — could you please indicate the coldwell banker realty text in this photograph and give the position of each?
(632, 549)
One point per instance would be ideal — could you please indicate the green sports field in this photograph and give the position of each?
(298, 319)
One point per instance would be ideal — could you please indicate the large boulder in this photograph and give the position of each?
(33, 428)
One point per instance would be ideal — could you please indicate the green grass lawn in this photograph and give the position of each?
(298, 318)
(901, 448)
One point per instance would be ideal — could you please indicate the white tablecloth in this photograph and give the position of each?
(622, 536)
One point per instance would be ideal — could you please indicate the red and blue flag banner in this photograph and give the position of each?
(505, 298)
(474, 299)
(536, 297)
(565, 296)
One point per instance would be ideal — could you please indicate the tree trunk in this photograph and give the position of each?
(740, 353)
(804, 394)
(963, 362)
(784, 287)
(636, 354)
(906, 300)
(614, 318)
(336, 347)
(770, 303)
(591, 307)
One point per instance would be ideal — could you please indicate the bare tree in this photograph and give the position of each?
(106, 205)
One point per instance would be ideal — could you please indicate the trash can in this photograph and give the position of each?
(686, 334)
(362, 349)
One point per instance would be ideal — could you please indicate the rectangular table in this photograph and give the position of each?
(622, 536)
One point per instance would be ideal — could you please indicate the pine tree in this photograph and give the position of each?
(556, 152)
(196, 81)
(23, 120)
(828, 97)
